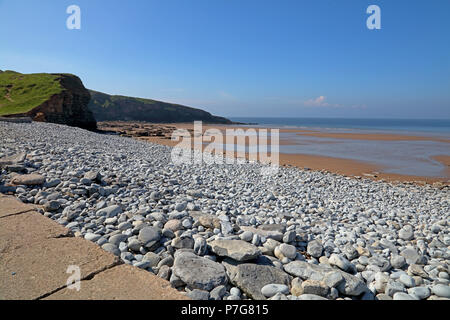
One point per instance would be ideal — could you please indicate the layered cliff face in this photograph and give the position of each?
(56, 98)
(63, 99)
(120, 108)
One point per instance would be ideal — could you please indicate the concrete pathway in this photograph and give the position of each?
(36, 252)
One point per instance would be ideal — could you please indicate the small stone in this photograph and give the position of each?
(52, 183)
(435, 228)
(441, 290)
(175, 281)
(164, 272)
(52, 206)
(218, 293)
(134, 245)
(183, 243)
(408, 281)
(398, 261)
(411, 256)
(142, 264)
(92, 236)
(315, 248)
(235, 292)
(406, 233)
(403, 296)
(350, 252)
(443, 275)
(417, 270)
(200, 246)
(315, 287)
(110, 211)
(152, 258)
(340, 262)
(167, 261)
(246, 236)
(393, 287)
(149, 236)
(420, 293)
(382, 296)
(117, 239)
(333, 279)
(124, 226)
(173, 225)
(289, 236)
(155, 195)
(285, 251)
(272, 289)
(209, 221)
(180, 206)
(111, 248)
(296, 287)
(311, 297)
(94, 176)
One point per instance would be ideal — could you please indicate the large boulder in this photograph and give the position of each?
(350, 286)
(198, 272)
(236, 249)
(28, 179)
(251, 278)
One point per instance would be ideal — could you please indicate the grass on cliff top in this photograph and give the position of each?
(20, 93)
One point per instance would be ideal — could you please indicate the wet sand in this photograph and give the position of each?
(346, 167)
(372, 136)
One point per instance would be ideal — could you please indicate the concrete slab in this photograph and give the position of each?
(10, 205)
(24, 229)
(40, 268)
(122, 282)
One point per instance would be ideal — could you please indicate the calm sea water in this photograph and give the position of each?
(408, 125)
(402, 157)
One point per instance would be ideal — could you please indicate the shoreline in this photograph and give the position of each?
(343, 166)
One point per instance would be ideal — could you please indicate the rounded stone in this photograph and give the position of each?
(246, 236)
(272, 289)
(315, 249)
(419, 292)
(173, 225)
(441, 290)
(285, 251)
(403, 296)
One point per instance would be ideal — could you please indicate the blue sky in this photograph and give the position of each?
(244, 57)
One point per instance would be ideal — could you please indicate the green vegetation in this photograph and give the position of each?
(20, 93)
(120, 108)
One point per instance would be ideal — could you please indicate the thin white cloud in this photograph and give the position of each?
(319, 102)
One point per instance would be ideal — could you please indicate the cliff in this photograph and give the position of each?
(120, 108)
(56, 98)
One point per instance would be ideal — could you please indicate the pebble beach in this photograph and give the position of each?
(227, 232)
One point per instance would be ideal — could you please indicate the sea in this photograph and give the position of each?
(392, 125)
(415, 158)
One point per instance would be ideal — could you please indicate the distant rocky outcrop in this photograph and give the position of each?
(56, 98)
(120, 108)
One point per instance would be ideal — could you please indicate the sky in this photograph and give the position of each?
(244, 58)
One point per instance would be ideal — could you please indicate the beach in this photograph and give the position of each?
(290, 138)
(222, 231)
